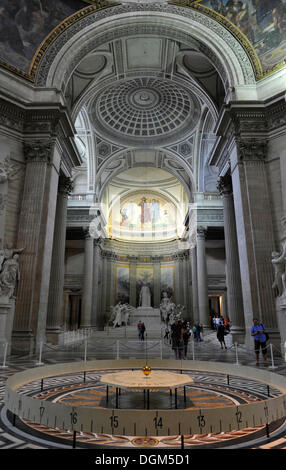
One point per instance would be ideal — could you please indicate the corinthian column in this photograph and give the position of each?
(36, 229)
(195, 303)
(87, 280)
(203, 300)
(254, 233)
(233, 280)
(54, 316)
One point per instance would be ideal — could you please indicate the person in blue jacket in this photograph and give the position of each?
(258, 332)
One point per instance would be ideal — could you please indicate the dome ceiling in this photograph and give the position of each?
(141, 109)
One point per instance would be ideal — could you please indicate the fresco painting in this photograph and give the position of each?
(167, 281)
(145, 217)
(122, 281)
(262, 21)
(24, 24)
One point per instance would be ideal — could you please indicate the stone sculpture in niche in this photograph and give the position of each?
(279, 264)
(9, 272)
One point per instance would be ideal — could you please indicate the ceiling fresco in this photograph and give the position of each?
(263, 22)
(25, 26)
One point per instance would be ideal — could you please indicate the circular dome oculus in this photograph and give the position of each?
(144, 110)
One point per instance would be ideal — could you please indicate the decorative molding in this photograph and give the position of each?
(50, 49)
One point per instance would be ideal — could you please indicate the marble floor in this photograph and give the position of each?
(124, 344)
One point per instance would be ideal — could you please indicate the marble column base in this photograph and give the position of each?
(23, 342)
(53, 335)
(237, 334)
(7, 310)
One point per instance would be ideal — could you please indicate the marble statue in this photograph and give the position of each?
(121, 314)
(279, 264)
(145, 296)
(9, 276)
(118, 316)
(166, 307)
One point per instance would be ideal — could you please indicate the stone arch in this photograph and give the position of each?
(177, 172)
(54, 64)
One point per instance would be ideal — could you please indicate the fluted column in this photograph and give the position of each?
(96, 320)
(195, 303)
(35, 235)
(254, 233)
(87, 280)
(157, 281)
(132, 277)
(233, 280)
(202, 277)
(54, 316)
(104, 279)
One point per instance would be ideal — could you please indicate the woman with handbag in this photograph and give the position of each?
(260, 335)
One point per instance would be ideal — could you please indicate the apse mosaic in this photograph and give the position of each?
(262, 21)
(144, 218)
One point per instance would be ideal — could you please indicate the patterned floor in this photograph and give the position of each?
(211, 390)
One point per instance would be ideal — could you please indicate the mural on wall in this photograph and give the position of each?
(262, 21)
(144, 275)
(168, 281)
(24, 24)
(122, 284)
(143, 217)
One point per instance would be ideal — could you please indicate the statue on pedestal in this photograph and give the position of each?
(145, 296)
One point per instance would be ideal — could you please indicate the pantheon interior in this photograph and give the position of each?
(141, 142)
(143, 146)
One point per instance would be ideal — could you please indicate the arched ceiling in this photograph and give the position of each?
(29, 27)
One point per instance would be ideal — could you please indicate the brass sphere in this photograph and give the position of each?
(146, 370)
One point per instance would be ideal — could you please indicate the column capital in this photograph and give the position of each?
(252, 149)
(224, 184)
(38, 151)
(201, 232)
(65, 185)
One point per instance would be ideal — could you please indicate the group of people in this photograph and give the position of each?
(180, 333)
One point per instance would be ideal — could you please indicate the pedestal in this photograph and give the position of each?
(150, 316)
(7, 310)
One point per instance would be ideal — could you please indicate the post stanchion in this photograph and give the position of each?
(85, 350)
(193, 346)
(161, 349)
(236, 354)
(5, 356)
(117, 349)
(40, 363)
(272, 367)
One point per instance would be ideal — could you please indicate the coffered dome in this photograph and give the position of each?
(134, 110)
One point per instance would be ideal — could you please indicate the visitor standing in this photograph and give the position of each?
(186, 337)
(142, 330)
(139, 328)
(220, 334)
(177, 338)
(258, 331)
